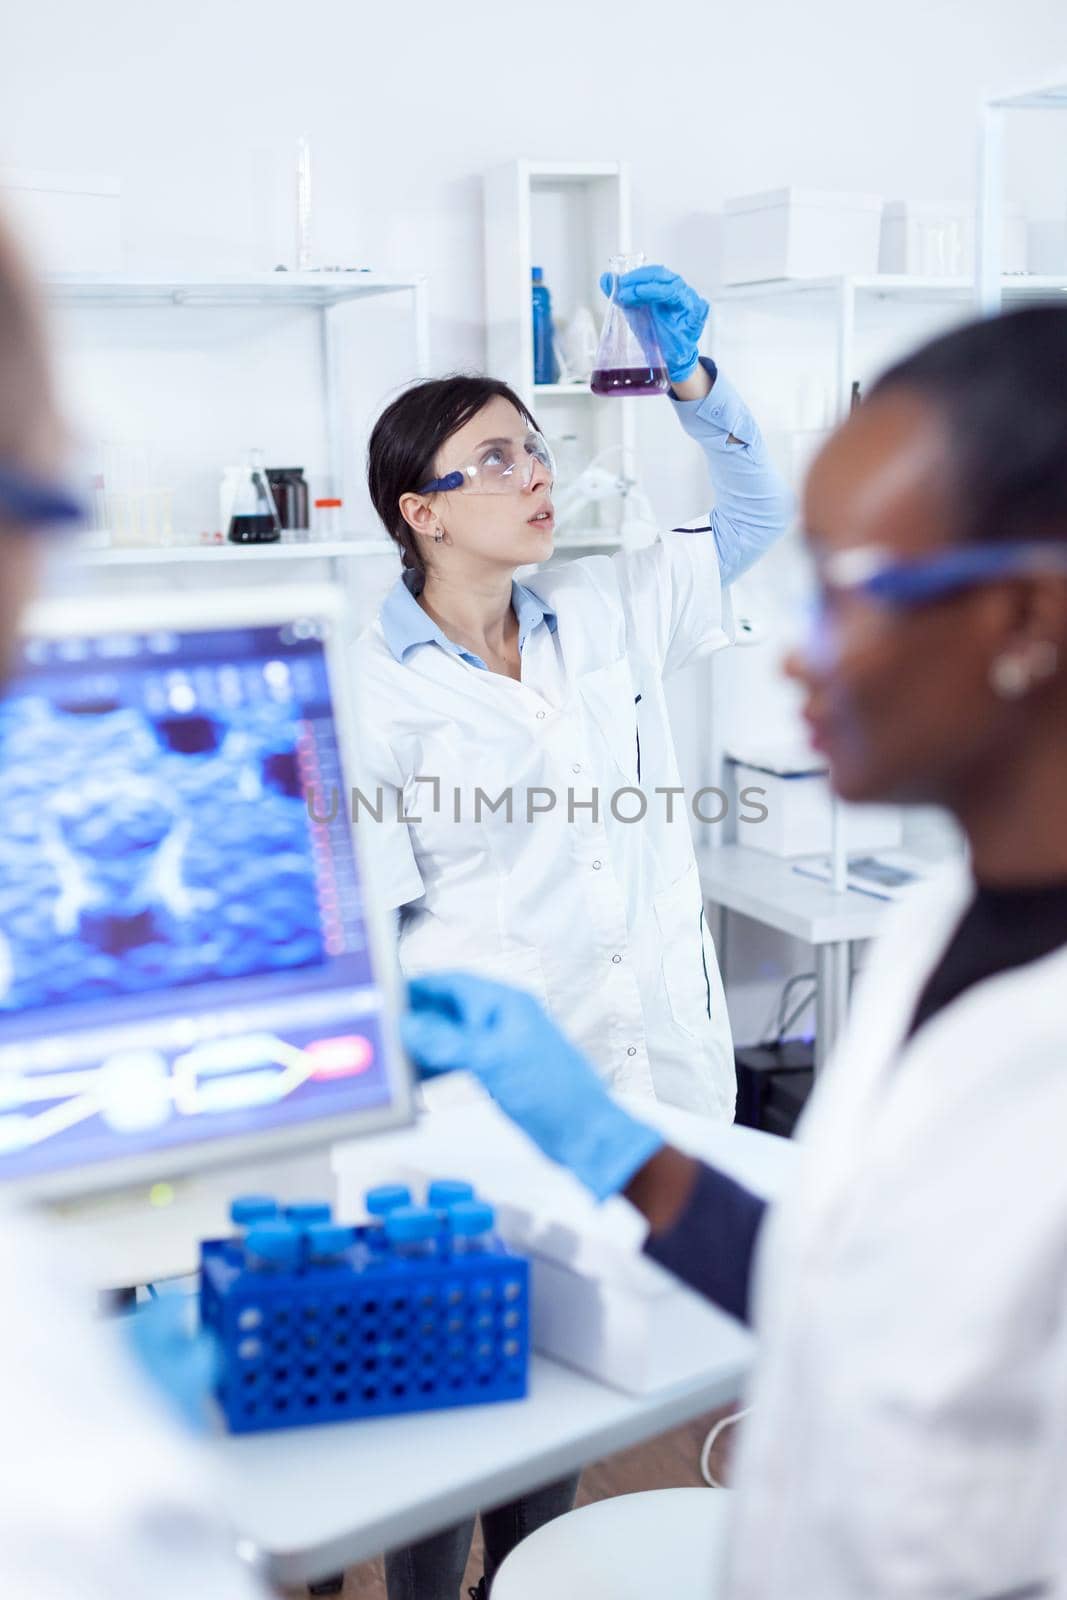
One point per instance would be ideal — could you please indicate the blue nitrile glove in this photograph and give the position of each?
(541, 1081)
(181, 1360)
(678, 313)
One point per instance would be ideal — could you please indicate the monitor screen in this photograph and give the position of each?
(185, 958)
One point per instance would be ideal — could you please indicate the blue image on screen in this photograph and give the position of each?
(142, 851)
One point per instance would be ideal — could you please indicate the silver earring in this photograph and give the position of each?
(1012, 676)
(438, 537)
(1009, 677)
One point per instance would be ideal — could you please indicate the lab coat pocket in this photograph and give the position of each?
(610, 701)
(687, 963)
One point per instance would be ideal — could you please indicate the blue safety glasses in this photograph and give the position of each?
(500, 466)
(876, 574)
(882, 583)
(33, 504)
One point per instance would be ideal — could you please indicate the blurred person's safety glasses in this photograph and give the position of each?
(499, 466)
(34, 504)
(882, 583)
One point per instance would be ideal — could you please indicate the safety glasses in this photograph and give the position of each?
(33, 504)
(499, 466)
(870, 581)
(876, 574)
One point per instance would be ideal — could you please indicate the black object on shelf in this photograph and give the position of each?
(773, 1084)
(290, 491)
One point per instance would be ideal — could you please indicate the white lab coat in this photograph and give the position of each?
(602, 919)
(911, 1295)
(102, 1496)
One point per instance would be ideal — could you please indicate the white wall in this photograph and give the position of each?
(197, 109)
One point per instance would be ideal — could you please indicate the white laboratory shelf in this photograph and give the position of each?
(184, 554)
(570, 390)
(887, 285)
(884, 284)
(317, 289)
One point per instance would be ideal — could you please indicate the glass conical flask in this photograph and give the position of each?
(253, 516)
(629, 360)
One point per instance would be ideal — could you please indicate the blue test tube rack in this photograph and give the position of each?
(317, 1322)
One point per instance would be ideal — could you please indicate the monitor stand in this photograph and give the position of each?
(143, 1234)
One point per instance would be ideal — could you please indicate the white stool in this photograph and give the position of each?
(665, 1542)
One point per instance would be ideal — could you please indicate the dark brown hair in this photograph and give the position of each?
(407, 436)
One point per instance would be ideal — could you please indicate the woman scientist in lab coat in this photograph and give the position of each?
(506, 718)
(911, 1288)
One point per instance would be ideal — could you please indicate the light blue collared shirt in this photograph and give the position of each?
(405, 624)
(752, 503)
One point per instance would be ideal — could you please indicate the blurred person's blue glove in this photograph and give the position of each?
(181, 1360)
(678, 313)
(541, 1081)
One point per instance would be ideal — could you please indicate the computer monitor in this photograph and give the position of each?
(193, 972)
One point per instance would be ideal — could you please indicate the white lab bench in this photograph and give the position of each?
(767, 889)
(315, 1500)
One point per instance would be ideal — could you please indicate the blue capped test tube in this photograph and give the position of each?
(412, 1232)
(305, 1212)
(272, 1247)
(327, 1243)
(445, 1192)
(470, 1227)
(378, 1204)
(247, 1209)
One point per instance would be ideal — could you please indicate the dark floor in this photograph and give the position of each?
(671, 1461)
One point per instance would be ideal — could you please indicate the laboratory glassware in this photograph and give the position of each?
(629, 360)
(253, 516)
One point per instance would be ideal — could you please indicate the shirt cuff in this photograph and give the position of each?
(722, 412)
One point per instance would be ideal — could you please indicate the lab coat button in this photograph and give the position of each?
(576, 767)
(596, 866)
(540, 716)
(615, 960)
(631, 1051)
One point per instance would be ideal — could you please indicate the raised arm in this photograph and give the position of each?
(752, 504)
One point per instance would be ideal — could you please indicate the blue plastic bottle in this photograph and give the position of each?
(544, 356)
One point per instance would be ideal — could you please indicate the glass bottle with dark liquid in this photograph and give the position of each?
(629, 360)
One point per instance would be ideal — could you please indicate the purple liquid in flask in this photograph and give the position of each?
(629, 380)
(629, 360)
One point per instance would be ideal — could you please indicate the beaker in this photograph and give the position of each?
(629, 360)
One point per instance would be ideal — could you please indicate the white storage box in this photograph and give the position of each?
(599, 1304)
(800, 233)
(67, 222)
(799, 816)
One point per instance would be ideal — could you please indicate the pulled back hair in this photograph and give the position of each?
(1000, 386)
(405, 441)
